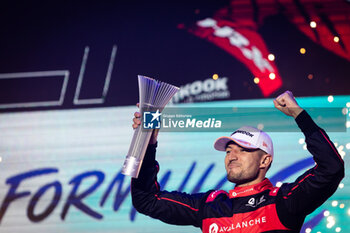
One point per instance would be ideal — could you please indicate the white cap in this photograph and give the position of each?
(247, 137)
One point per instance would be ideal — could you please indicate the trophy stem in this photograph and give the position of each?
(136, 153)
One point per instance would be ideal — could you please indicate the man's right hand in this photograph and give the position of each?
(137, 122)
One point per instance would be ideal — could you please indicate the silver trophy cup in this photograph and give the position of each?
(154, 95)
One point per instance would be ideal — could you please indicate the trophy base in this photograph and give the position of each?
(131, 167)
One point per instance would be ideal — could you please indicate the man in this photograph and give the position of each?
(254, 205)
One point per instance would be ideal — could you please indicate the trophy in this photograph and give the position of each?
(154, 95)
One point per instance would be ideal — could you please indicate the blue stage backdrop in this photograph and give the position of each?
(60, 169)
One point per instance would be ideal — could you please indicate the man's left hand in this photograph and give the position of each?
(287, 104)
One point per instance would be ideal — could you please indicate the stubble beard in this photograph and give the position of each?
(241, 178)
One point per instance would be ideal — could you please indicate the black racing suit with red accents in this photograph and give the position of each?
(255, 208)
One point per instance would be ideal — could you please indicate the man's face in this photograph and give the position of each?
(242, 165)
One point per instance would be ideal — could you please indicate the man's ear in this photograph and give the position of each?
(266, 160)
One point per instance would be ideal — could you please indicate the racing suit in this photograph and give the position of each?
(255, 208)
